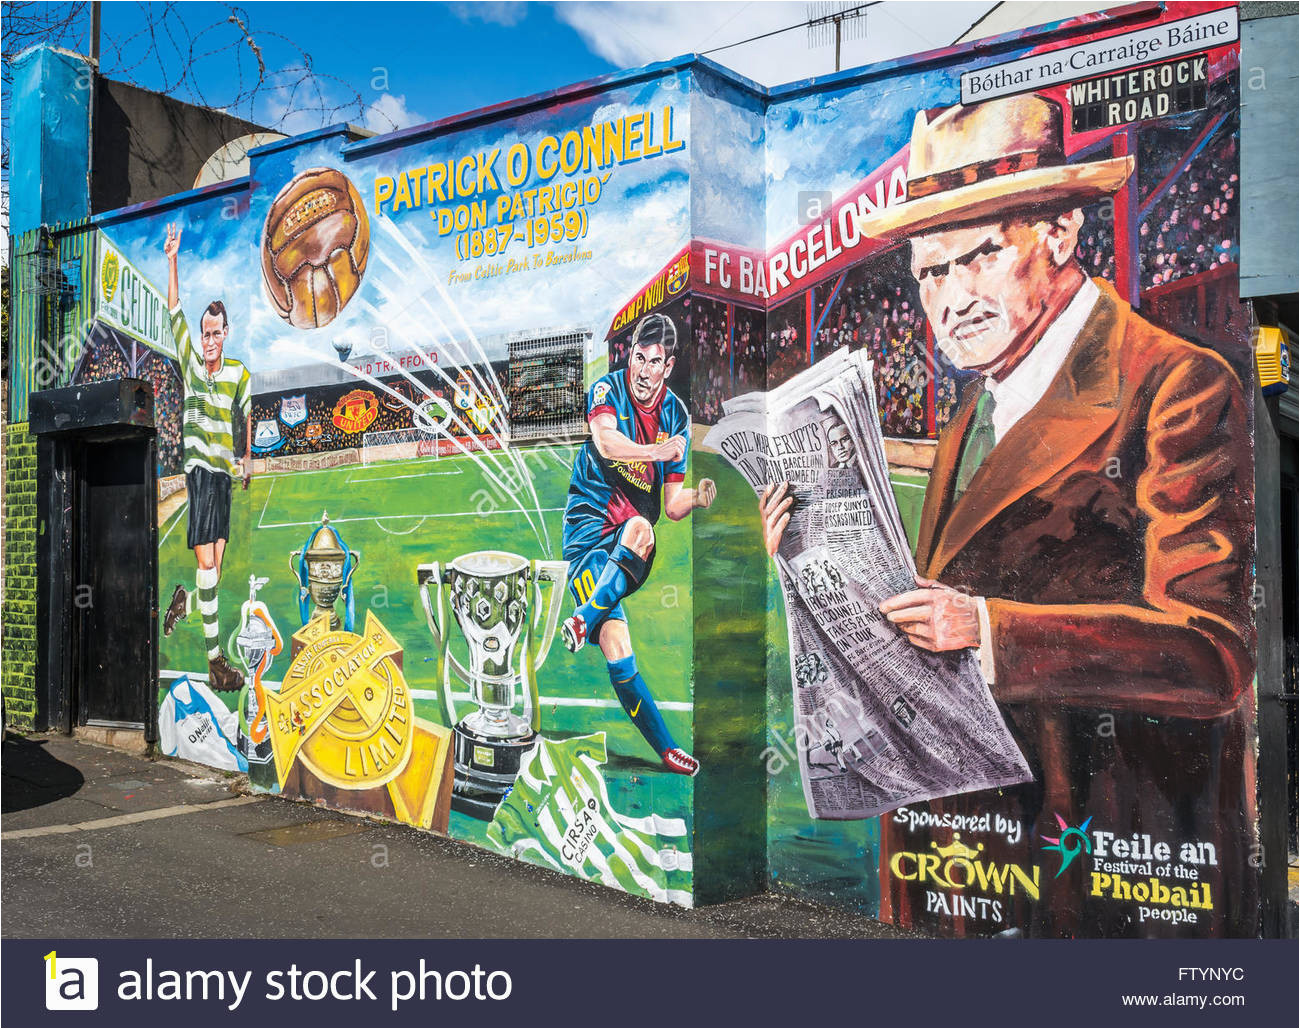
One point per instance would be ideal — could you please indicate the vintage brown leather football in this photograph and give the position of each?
(314, 247)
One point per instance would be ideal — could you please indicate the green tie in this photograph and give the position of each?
(979, 441)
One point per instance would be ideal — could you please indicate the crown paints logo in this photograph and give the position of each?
(1071, 843)
(958, 866)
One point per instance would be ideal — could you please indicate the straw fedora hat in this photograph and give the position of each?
(969, 164)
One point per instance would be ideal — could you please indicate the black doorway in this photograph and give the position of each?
(115, 577)
(97, 557)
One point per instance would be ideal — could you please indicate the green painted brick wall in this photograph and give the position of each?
(18, 673)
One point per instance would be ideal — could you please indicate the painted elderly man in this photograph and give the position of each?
(1087, 528)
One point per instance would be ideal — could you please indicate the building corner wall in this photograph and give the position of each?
(727, 562)
(18, 647)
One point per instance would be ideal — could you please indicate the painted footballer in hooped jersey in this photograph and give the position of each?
(631, 468)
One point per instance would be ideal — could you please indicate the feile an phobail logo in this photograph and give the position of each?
(1072, 842)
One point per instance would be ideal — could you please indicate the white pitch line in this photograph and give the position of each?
(400, 532)
(126, 819)
(571, 448)
(409, 475)
(269, 490)
(381, 518)
(175, 521)
(664, 705)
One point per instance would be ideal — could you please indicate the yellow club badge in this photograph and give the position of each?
(108, 275)
(345, 711)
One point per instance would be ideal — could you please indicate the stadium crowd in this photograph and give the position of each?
(712, 383)
(104, 358)
(750, 360)
(317, 433)
(877, 308)
(1096, 248)
(168, 402)
(1193, 227)
(787, 350)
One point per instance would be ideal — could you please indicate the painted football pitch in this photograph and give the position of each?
(401, 514)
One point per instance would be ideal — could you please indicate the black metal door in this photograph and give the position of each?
(113, 597)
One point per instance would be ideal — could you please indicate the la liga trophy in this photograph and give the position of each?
(496, 599)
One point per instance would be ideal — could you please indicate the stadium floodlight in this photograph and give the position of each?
(343, 348)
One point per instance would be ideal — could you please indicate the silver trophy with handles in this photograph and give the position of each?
(508, 624)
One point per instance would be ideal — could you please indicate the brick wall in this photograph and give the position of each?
(18, 674)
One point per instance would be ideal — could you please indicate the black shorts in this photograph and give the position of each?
(209, 499)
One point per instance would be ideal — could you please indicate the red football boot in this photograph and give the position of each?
(574, 632)
(677, 760)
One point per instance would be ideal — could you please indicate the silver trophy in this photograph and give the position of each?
(256, 641)
(508, 626)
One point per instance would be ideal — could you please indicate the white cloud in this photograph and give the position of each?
(494, 12)
(390, 113)
(285, 111)
(630, 34)
(726, 171)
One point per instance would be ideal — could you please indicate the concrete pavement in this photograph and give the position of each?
(99, 843)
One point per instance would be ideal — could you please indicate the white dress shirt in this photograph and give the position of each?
(1017, 394)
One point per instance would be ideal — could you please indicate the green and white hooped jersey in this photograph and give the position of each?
(558, 815)
(208, 422)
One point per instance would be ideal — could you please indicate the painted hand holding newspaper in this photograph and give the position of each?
(878, 722)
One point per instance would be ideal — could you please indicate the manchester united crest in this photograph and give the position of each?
(355, 410)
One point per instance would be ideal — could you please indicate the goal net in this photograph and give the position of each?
(398, 445)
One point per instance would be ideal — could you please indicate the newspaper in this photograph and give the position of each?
(878, 722)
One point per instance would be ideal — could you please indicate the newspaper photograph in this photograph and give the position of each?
(878, 722)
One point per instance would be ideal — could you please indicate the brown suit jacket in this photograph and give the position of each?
(1112, 532)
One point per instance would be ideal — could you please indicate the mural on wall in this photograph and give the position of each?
(419, 395)
(164, 311)
(402, 368)
(1087, 525)
(998, 678)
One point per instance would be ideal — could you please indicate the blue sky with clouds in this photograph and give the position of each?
(831, 141)
(413, 62)
(390, 65)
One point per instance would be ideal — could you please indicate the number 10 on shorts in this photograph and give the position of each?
(584, 586)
